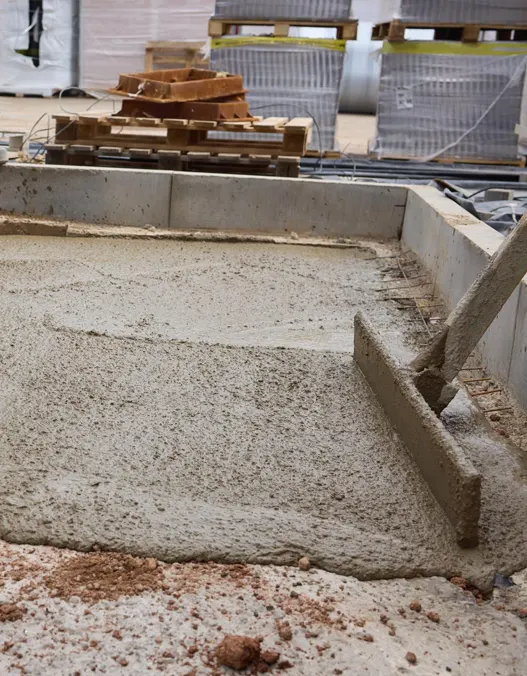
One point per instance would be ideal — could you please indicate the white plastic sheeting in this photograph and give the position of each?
(53, 34)
(506, 12)
(114, 33)
(450, 105)
(284, 9)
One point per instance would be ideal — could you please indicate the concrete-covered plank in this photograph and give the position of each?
(264, 204)
(90, 195)
(450, 474)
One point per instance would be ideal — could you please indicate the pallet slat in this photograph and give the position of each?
(186, 135)
(298, 124)
(168, 160)
(394, 31)
(270, 123)
(345, 30)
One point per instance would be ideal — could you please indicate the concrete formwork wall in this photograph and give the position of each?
(203, 201)
(455, 247)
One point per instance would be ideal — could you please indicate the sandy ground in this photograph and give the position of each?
(354, 133)
(66, 613)
(198, 400)
(22, 115)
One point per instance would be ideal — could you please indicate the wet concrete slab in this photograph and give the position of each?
(200, 401)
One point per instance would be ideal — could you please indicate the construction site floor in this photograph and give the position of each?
(196, 401)
(67, 613)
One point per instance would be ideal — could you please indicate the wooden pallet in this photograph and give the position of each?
(520, 162)
(175, 55)
(186, 135)
(395, 31)
(220, 26)
(325, 154)
(171, 160)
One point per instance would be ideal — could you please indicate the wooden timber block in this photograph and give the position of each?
(471, 33)
(56, 153)
(288, 166)
(170, 160)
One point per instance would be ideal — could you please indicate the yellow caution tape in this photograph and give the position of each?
(455, 48)
(223, 43)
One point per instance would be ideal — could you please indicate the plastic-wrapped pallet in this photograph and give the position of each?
(113, 35)
(284, 9)
(499, 12)
(450, 100)
(38, 46)
(288, 77)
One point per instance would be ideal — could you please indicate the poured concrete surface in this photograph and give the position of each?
(199, 401)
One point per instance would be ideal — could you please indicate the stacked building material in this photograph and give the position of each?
(287, 76)
(506, 12)
(114, 35)
(284, 9)
(186, 94)
(450, 101)
(38, 46)
(176, 120)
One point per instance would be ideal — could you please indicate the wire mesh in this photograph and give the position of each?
(284, 9)
(289, 80)
(428, 103)
(503, 12)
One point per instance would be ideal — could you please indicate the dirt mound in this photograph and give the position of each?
(10, 612)
(108, 576)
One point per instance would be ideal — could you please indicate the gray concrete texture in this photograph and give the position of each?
(203, 201)
(200, 401)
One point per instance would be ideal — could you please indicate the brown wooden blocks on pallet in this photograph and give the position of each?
(220, 26)
(175, 55)
(179, 85)
(395, 31)
(171, 160)
(187, 135)
(236, 108)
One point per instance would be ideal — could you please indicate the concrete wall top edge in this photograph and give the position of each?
(87, 171)
(284, 181)
(478, 232)
(202, 201)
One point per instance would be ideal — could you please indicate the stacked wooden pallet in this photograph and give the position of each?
(181, 144)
